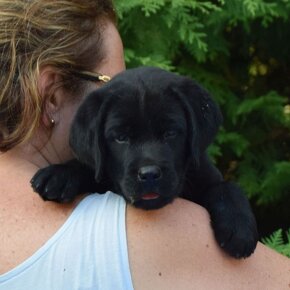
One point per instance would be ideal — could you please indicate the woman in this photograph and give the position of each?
(53, 53)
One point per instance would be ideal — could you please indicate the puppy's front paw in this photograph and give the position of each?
(236, 234)
(56, 183)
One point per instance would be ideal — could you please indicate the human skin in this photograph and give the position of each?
(172, 248)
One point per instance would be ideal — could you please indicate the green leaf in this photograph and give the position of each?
(276, 242)
(268, 107)
(234, 140)
(276, 180)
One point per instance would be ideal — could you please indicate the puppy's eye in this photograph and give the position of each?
(122, 139)
(170, 134)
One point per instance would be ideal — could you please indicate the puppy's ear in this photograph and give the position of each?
(203, 114)
(86, 131)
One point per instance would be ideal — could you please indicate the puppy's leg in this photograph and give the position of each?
(232, 219)
(63, 182)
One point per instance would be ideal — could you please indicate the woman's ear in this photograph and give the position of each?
(53, 95)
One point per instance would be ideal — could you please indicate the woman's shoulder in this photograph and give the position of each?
(174, 247)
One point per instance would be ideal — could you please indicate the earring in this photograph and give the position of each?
(52, 122)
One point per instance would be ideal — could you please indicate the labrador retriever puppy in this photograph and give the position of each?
(144, 136)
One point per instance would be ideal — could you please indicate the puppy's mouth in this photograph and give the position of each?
(150, 196)
(152, 201)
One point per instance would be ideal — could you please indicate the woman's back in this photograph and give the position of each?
(88, 251)
(177, 250)
(171, 248)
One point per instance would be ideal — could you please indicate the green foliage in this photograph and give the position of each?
(239, 51)
(268, 106)
(276, 242)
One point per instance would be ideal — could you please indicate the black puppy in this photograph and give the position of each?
(144, 135)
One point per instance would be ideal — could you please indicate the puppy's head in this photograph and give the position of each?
(141, 130)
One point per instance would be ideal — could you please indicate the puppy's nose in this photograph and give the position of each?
(147, 173)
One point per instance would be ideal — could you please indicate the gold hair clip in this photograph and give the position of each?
(104, 78)
(91, 76)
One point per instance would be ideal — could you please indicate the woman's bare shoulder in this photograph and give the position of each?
(174, 247)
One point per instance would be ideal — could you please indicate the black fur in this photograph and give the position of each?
(144, 135)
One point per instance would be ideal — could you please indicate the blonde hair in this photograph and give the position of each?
(66, 34)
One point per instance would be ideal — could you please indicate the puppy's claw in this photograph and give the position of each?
(63, 182)
(50, 181)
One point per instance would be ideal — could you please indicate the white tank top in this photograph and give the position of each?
(89, 252)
